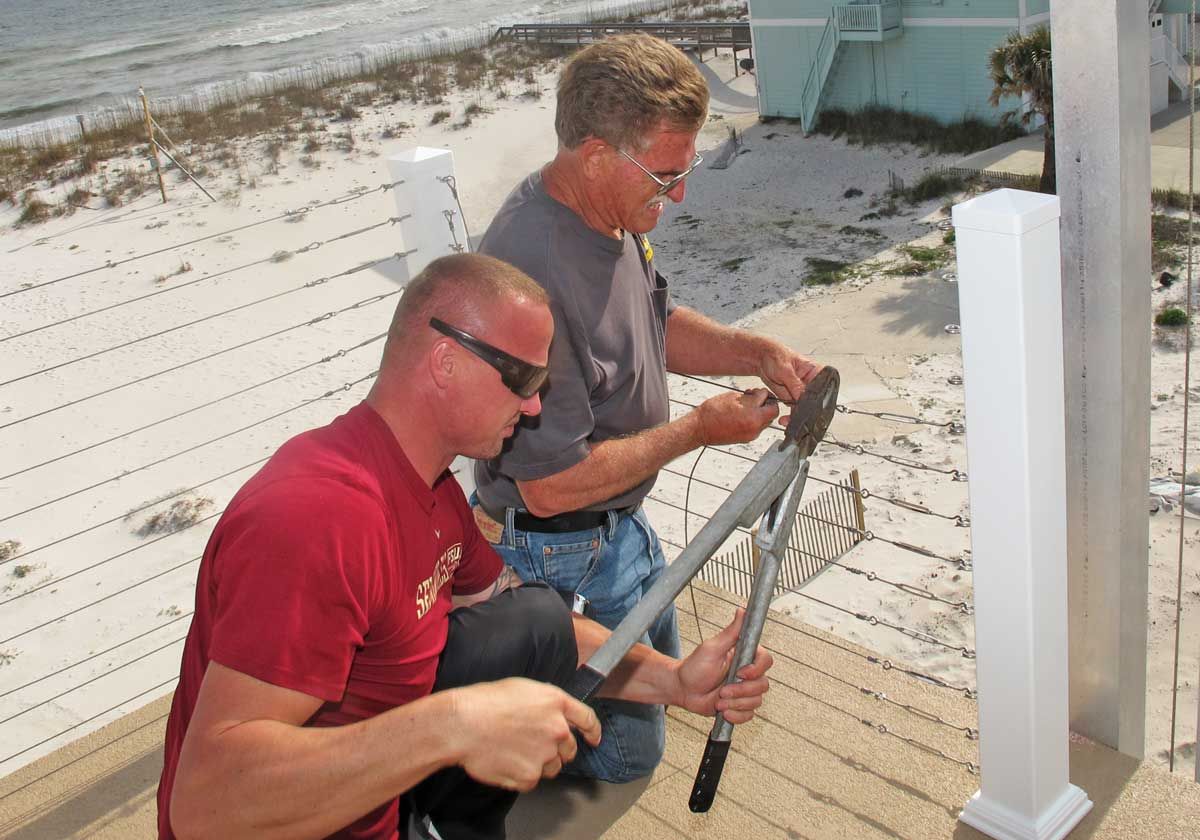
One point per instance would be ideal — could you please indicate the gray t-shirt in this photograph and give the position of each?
(608, 363)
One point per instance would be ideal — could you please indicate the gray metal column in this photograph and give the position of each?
(1102, 124)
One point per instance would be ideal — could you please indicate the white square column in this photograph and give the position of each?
(434, 226)
(1010, 301)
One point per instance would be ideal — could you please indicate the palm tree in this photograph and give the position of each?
(1021, 67)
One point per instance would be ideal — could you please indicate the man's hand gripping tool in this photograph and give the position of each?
(771, 492)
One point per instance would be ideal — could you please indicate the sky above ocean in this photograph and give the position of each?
(65, 57)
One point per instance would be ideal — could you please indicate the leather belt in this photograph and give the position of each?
(575, 520)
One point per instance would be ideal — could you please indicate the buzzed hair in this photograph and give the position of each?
(622, 88)
(459, 289)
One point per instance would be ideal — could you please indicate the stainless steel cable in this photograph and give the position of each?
(325, 359)
(74, 726)
(97, 655)
(354, 195)
(309, 285)
(206, 357)
(273, 258)
(347, 386)
(99, 676)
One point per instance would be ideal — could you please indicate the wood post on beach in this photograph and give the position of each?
(1010, 301)
(162, 187)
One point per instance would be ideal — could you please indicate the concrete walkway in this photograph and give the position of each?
(1168, 152)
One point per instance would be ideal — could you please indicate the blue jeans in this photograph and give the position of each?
(611, 566)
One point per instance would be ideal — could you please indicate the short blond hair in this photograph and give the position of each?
(624, 87)
(460, 289)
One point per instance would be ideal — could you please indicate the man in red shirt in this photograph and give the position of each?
(355, 638)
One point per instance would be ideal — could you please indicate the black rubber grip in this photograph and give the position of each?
(585, 683)
(704, 791)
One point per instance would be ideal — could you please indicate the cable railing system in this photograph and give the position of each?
(62, 577)
(78, 588)
(871, 621)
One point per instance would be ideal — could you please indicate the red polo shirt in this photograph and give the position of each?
(330, 573)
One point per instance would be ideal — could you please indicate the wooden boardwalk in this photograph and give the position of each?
(696, 37)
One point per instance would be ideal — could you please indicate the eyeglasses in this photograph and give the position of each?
(520, 377)
(664, 187)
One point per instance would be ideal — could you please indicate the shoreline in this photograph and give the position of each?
(322, 73)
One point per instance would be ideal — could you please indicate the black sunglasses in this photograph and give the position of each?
(520, 377)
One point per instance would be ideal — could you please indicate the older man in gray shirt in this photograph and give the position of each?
(562, 503)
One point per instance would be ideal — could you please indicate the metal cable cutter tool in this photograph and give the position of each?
(770, 492)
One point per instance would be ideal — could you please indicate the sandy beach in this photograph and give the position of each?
(230, 348)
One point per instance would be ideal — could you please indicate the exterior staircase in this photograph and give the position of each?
(855, 21)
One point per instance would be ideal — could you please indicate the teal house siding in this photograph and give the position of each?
(936, 66)
(780, 83)
(925, 56)
(938, 72)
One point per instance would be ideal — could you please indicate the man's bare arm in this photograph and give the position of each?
(249, 768)
(612, 467)
(697, 345)
(695, 683)
(700, 346)
(507, 579)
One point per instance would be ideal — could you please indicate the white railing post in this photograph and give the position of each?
(1010, 304)
(434, 226)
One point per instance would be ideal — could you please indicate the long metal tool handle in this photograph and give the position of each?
(772, 539)
(755, 494)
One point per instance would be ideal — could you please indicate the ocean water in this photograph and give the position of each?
(59, 58)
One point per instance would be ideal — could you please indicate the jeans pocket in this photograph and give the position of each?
(567, 564)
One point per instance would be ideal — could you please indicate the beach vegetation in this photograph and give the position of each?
(184, 268)
(948, 237)
(935, 185)
(875, 125)
(1168, 234)
(347, 112)
(309, 162)
(733, 264)
(23, 570)
(1172, 199)
(824, 272)
(181, 513)
(273, 149)
(312, 143)
(7, 655)
(439, 116)
(78, 197)
(919, 260)
(391, 132)
(1172, 316)
(852, 192)
(1021, 68)
(9, 549)
(344, 141)
(861, 232)
(33, 210)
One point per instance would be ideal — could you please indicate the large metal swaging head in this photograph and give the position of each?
(813, 412)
